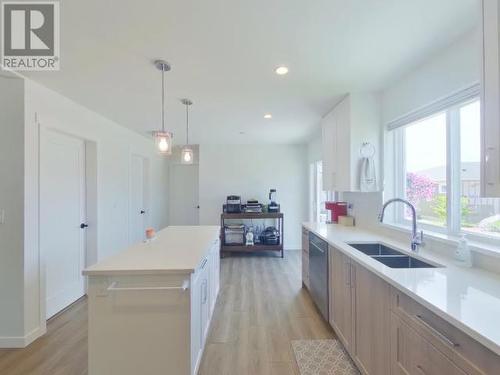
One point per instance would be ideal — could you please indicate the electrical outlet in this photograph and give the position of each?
(2, 216)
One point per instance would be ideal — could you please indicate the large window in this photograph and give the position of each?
(437, 168)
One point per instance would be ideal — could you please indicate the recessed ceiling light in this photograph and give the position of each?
(281, 70)
(268, 116)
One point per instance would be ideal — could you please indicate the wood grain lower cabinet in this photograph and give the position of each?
(412, 354)
(305, 258)
(387, 332)
(341, 306)
(454, 346)
(372, 297)
(359, 313)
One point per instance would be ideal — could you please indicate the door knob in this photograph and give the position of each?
(143, 212)
(83, 225)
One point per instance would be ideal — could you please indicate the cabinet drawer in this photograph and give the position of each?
(465, 352)
(413, 355)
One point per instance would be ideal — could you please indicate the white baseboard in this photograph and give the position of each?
(21, 341)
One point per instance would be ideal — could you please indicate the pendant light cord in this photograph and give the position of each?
(163, 99)
(187, 124)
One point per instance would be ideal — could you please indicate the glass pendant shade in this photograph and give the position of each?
(187, 155)
(162, 138)
(163, 142)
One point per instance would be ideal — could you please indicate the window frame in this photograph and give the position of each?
(315, 190)
(453, 171)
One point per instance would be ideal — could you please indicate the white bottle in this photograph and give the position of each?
(462, 253)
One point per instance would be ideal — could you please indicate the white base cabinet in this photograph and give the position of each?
(152, 324)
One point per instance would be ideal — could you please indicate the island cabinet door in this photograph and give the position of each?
(196, 337)
(214, 274)
(205, 298)
(139, 325)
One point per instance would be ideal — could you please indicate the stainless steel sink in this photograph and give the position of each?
(390, 257)
(373, 249)
(402, 261)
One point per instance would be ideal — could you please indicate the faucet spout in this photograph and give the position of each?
(416, 238)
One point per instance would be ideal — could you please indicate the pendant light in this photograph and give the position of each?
(163, 139)
(187, 154)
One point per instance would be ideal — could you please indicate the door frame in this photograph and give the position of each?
(146, 189)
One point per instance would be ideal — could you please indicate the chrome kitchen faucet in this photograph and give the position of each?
(417, 238)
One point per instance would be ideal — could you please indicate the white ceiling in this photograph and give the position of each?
(223, 54)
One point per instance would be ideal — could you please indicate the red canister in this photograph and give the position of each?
(337, 209)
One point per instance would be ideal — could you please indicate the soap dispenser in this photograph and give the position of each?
(463, 254)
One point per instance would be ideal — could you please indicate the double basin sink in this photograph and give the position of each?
(390, 257)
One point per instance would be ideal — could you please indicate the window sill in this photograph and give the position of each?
(475, 246)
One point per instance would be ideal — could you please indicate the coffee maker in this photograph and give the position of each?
(233, 204)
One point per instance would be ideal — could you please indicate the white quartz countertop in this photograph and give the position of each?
(176, 249)
(468, 298)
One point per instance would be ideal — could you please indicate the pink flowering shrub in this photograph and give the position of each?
(419, 188)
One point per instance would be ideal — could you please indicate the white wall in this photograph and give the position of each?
(453, 69)
(250, 171)
(113, 145)
(12, 202)
(314, 147)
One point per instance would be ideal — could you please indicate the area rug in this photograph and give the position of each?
(322, 357)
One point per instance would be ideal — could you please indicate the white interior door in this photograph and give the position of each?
(62, 211)
(137, 199)
(184, 195)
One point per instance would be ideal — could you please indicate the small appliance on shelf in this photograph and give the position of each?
(270, 236)
(273, 201)
(234, 234)
(253, 206)
(233, 204)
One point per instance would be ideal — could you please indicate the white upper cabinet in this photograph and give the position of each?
(490, 155)
(354, 121)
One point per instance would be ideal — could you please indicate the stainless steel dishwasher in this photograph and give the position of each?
(318, 273)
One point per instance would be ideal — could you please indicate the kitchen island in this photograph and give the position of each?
(150, 306)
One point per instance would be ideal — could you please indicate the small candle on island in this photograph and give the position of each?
(150, 233)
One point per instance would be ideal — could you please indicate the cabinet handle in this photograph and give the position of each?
(421, 369)
(347, 273)
(204, 263)
(205, 291)
(440, 335)
(114, 288)
(353, 276)
(317, 247)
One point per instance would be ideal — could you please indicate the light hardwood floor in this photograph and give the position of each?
(260, 309)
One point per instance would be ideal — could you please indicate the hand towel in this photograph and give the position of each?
(368, 177)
